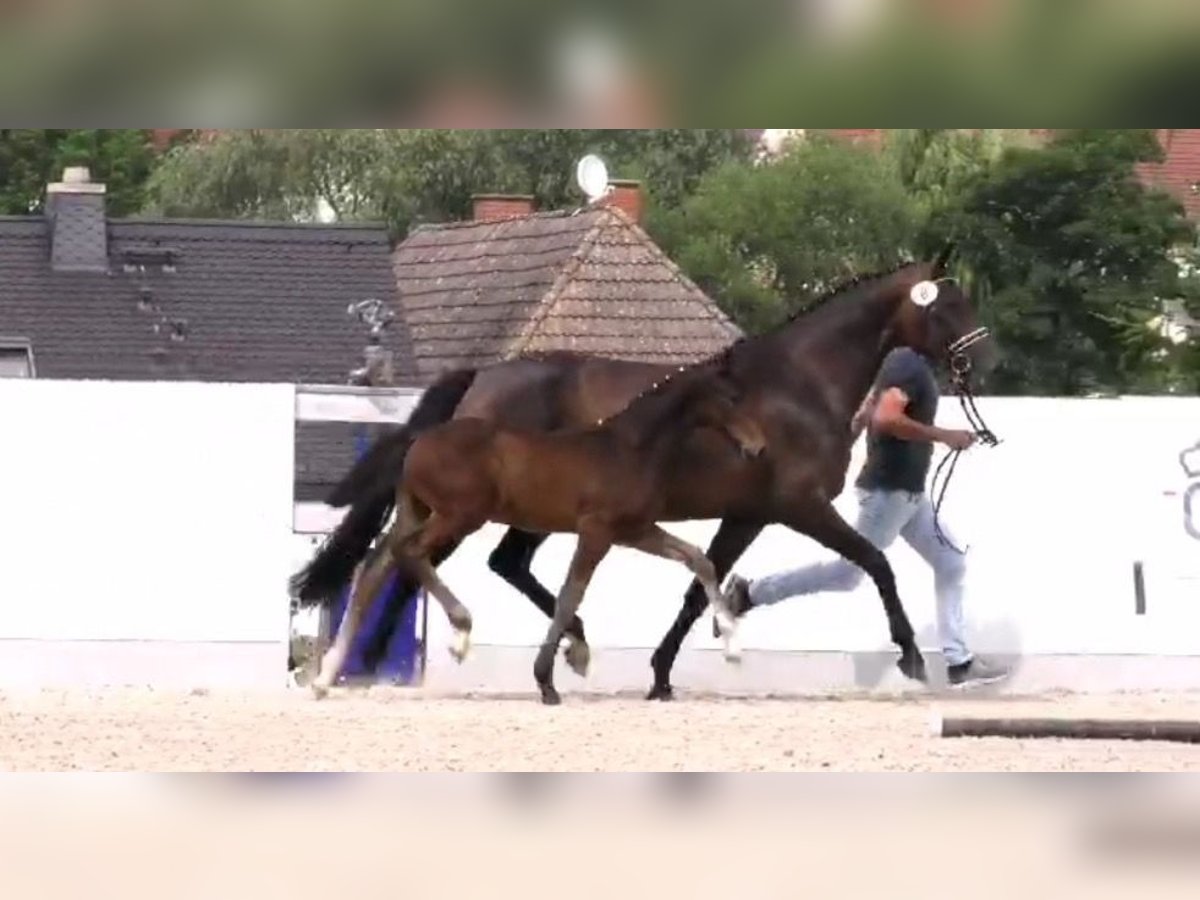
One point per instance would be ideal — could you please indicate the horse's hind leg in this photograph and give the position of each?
(589, 551)
(512, 560)
(366, 584)
(414, 551)
(659, 542)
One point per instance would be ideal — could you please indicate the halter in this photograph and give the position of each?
(960, 381)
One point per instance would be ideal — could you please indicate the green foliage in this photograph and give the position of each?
(32, 158)
(1070, 258)
(269, 174)
(420, 175)
(767, 240)
(936, 165)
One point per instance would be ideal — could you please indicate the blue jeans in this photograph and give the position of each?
(882, 517)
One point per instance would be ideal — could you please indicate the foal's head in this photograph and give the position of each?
(938, 319)
(710, 396)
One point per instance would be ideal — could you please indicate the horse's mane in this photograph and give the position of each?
(842, 287)
(719, 362)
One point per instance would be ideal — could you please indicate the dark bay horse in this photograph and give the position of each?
(605, 483)
(804, 380)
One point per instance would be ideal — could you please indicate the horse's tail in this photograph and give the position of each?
(369, 488)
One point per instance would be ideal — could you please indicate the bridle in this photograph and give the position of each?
(960, 382)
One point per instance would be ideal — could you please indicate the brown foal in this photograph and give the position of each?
(605, 483)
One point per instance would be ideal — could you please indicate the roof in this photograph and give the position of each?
(589, 281)
(246, 302)
(1179, 173)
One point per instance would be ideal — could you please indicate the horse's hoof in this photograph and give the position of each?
(550, 696)
(578, 656)
(731, 647)
(912, 665)
(663, 692)
(320, 691)
(461, 645)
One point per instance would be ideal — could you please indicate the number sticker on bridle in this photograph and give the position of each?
(923, 293)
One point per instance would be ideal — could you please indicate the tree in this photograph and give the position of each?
(767, 240)
(32, 158)
(1071, 257)
(936, 165)
(421, 175)
(270, 174)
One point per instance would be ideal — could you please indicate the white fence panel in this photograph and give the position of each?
(144, 514)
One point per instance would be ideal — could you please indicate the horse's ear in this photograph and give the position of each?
(943, 258)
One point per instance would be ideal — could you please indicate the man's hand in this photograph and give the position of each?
(958, 440)
(863, 416)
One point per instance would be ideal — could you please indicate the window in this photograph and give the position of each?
(16, 358)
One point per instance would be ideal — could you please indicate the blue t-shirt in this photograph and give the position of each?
(894, 464)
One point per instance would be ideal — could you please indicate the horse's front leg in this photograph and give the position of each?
(659, 542)
(728, 544)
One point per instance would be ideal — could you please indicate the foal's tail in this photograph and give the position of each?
(369, 488)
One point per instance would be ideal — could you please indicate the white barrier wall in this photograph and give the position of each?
(146, 533)
(1053, 520)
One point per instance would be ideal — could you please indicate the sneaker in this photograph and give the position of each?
(974, 672)
(737, 599)
(737, 595)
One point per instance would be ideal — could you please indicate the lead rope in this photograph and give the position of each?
(960, 368)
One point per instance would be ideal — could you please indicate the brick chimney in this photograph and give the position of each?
(494, 207)
(78, 227)
(626, 196)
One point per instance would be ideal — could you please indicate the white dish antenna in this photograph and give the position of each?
(591, 174)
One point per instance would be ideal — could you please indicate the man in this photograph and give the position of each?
(891, 489)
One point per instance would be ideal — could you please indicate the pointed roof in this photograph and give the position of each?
(589, 281)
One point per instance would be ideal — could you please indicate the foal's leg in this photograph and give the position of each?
(512, 560)
(824, 524)
(659, 542)
(415, 552)
(728, 544)
(590, 549)
(406, 585)
(365, 585)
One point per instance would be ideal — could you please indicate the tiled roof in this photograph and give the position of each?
(1179, 173)
(591, 281)
(252, 301)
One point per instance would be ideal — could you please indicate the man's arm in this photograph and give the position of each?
(889, 418)
(863, 416)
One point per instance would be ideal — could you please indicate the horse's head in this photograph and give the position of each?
(937, 318)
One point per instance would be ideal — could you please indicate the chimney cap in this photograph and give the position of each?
(76, 180)
(514, 197)
(498, 207)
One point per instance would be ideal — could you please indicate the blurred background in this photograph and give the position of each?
(535, 63)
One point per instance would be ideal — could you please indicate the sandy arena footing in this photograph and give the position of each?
(395, 729)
